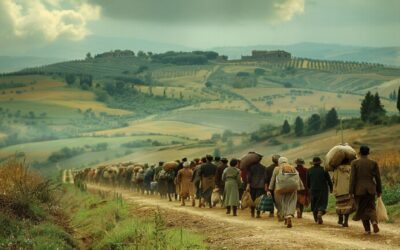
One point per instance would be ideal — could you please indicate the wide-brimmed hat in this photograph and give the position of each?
(316, 160)
(299, 161)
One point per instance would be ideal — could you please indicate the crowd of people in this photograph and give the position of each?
(283, 187)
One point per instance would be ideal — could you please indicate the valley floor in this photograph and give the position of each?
(243, 232)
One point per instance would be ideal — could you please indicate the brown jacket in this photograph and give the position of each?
(365, 177)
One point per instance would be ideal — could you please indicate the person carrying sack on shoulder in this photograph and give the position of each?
(365, 185)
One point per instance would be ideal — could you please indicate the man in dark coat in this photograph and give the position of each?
(365, 184)
(270, 170)
(318, 182)
(256, 183)
(223, 163)
(207, 173)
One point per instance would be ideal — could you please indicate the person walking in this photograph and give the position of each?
(256, 183)
(285, 182)
(232, 182)
(341, 190)
(219, 183)
(184, 180)
(270, 170)
(302, 195)
(365, 185)
(319, 183)
(207, 173)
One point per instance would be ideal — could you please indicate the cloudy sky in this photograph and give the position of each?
(26, 25)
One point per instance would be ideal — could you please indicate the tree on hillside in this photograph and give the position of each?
(331, 118)
(371, 108)
(285, 127)
(88, 56)
(366, 106)
(398, 100)
(299, 126)
(314, 123)
(70, 79)
(208, 84)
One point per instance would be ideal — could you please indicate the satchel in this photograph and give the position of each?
(246, 200)
(287, 182)
(265, 203)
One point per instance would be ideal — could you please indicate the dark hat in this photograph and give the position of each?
(209, 157)
(161, 163)
(184, 159)
(233, 162)
(316, 160)
(299, 161)
(217, 158)
(224, 160)
(364, 150)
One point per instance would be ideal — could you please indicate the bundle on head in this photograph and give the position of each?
(170, 165)
(339, 155)
(249, 159)
(137, 168)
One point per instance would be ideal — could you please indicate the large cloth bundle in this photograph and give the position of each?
(381, 212)
(338, 155)
(246, 200)
(215, 197)
(264, 203)
(287, 182)
(249, 159)
(170, 165)
(137, 168)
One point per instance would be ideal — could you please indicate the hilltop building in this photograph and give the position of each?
(265, 55)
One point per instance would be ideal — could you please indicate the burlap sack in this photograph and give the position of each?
(215, 197)
(246, 200)
(170, 165)
(249, 159)
(381, 213)
(339, 155)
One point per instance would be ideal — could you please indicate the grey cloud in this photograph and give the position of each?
(201, 11)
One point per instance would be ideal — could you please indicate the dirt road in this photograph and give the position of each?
(243, 232)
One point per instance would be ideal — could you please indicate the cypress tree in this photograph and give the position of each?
(299, 126)
(377, 105)
(331, 119)
(314, 123)
(398, 100)
(366, 107)
(285, 128)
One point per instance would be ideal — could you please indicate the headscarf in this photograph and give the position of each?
(283, 160)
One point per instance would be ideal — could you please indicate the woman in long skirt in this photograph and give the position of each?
(232, 180)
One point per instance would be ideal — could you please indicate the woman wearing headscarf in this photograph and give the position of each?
(184, 181)
(286, 182)
(232, 180)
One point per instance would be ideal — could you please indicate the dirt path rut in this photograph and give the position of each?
(245, 232)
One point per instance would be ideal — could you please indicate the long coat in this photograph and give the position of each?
(232, 180)
(320, 183)
(184, 181)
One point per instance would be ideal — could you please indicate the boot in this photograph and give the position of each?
(182, 202)
(367, 226)
(299, 214)
(258, 214)
(340, 220)
(253, 211)
(271, 214)
(228, 210)
(234, 210)
(319, 216)
(289, 222)
(193, 202)
(315, 214)
(375, 227)
(346, 220)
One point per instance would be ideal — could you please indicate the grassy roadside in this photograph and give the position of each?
(103, 221)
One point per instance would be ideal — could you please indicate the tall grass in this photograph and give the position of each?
(389, 163)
